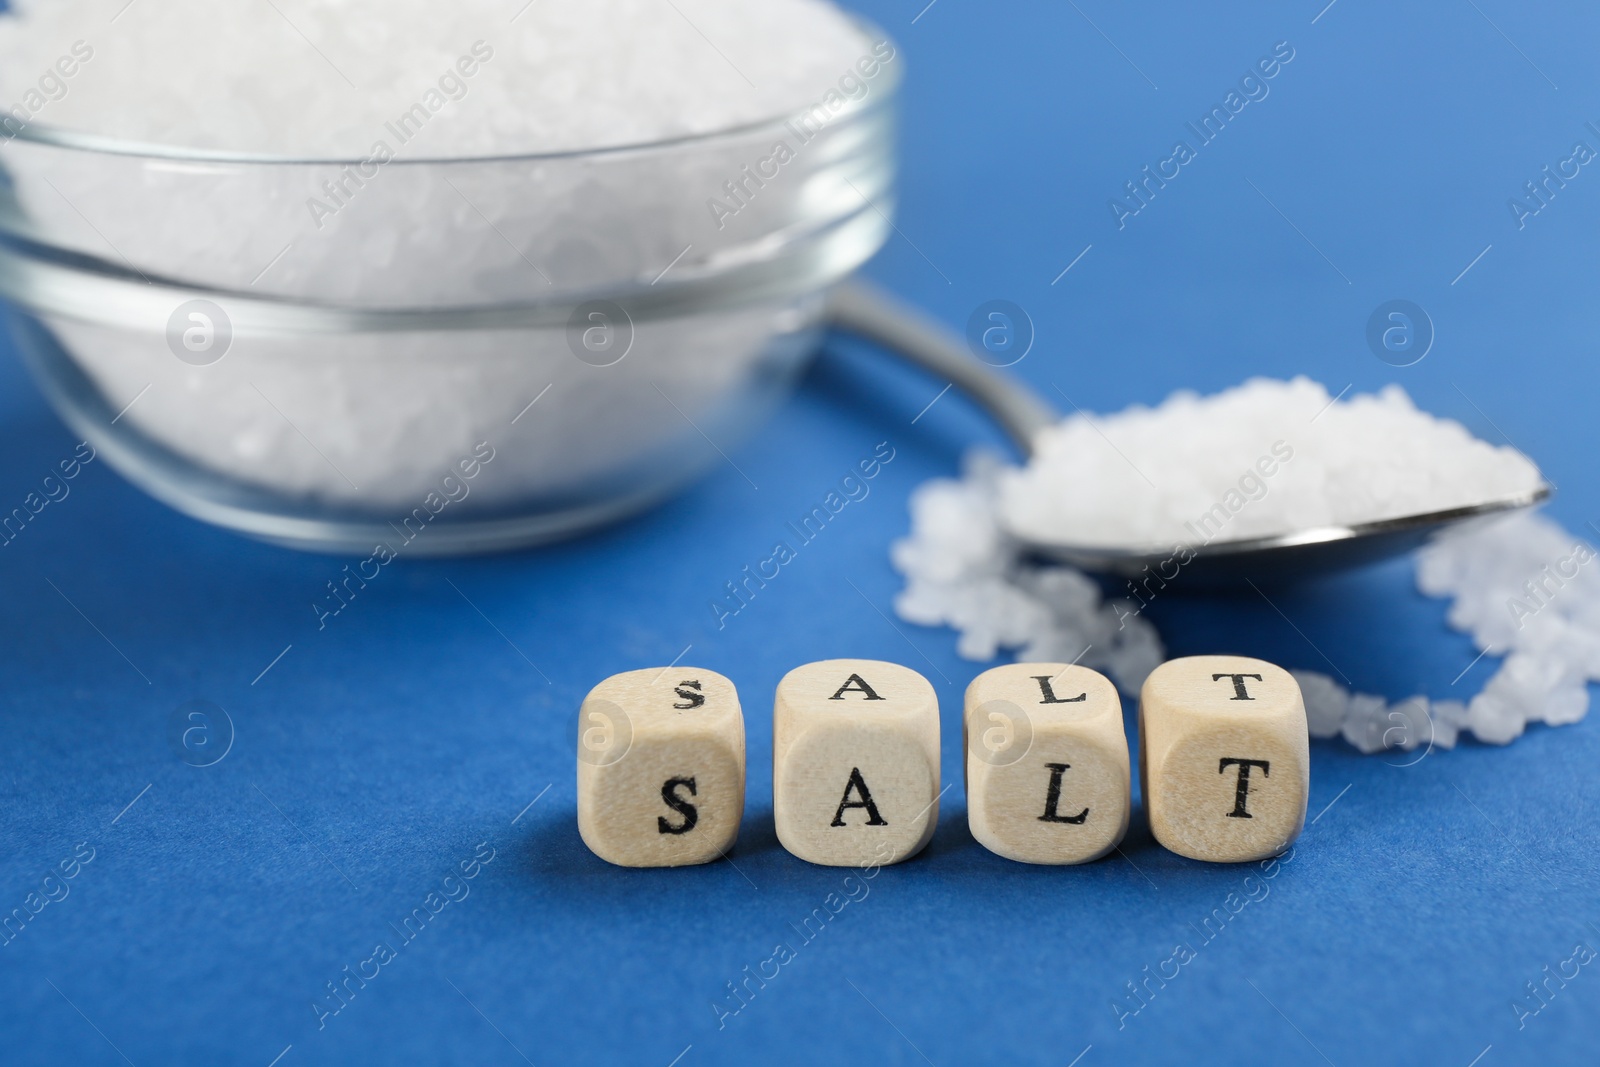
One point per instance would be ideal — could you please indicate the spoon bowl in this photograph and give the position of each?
(1304, 553)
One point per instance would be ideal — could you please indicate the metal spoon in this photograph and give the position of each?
(862, 309)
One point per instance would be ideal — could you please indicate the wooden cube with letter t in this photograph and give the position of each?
(661, 767)
(855, 762)
(1047, 763)
(1223, 757)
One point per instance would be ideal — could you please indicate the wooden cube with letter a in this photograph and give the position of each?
(1223, 757)
(855, 762)
(661, 767)
(1047, 763)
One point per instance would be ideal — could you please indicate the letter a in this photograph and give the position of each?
(855, 684)
(858, 785)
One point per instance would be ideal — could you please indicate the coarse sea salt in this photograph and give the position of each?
(445, 155)
(320, 78)
(963, 570)
(1522, 586)
(1264, 458)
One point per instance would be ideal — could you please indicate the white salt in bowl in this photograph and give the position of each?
(603, 325)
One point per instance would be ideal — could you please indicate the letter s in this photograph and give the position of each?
(669, 796)
(1284, 51)
(1283, 451)
(82, 50)
(483, 50)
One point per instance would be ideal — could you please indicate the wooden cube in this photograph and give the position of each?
(855, 762)
(661, 767)
(1047, 763)
(1224, 760)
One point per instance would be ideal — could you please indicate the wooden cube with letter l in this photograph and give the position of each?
(1224, 758)
(661, 767)
(855, 762)
(1047, 763)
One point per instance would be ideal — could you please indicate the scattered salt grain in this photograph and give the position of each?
(964, 571)
(1522, 586)
(1540, 680)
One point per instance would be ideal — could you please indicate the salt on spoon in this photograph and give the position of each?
(1198, 485)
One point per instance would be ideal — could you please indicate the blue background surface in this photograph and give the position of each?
(375, 755)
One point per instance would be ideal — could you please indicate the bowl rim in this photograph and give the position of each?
(46, 135)
(36, 282)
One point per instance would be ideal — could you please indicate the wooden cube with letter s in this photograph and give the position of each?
(661, 767)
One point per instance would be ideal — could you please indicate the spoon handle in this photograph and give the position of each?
(863, 309)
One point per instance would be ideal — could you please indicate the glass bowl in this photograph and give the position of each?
(468, 355)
